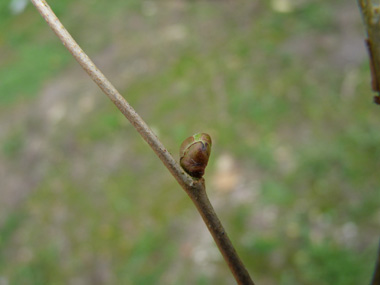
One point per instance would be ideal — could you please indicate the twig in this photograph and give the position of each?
(195, 188)
(371, 18)
(376, 273)
(201, 201)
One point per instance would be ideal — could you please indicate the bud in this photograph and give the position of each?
(194, 154)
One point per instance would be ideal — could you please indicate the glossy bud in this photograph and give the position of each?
(194, 153)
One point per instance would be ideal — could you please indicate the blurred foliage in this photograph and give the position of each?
(85, 201)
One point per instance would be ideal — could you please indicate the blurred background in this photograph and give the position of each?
(283, 88)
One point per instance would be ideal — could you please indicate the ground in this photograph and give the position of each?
(283, 90)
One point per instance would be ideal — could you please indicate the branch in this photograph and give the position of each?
(371, 18)
(195, 188)
(376, 273)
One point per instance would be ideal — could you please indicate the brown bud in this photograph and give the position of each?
(194, 154)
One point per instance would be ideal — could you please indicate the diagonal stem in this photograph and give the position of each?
(99, 78)
(195, 188)
(371, 19)
(201, 201)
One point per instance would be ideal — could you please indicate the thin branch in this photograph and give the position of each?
(201, 201)
(366, 9)
(195, 188)
(376, 273)
(371, 18)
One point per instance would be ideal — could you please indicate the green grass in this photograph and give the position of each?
(13, 144)
(28, 61)
(33, 55)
